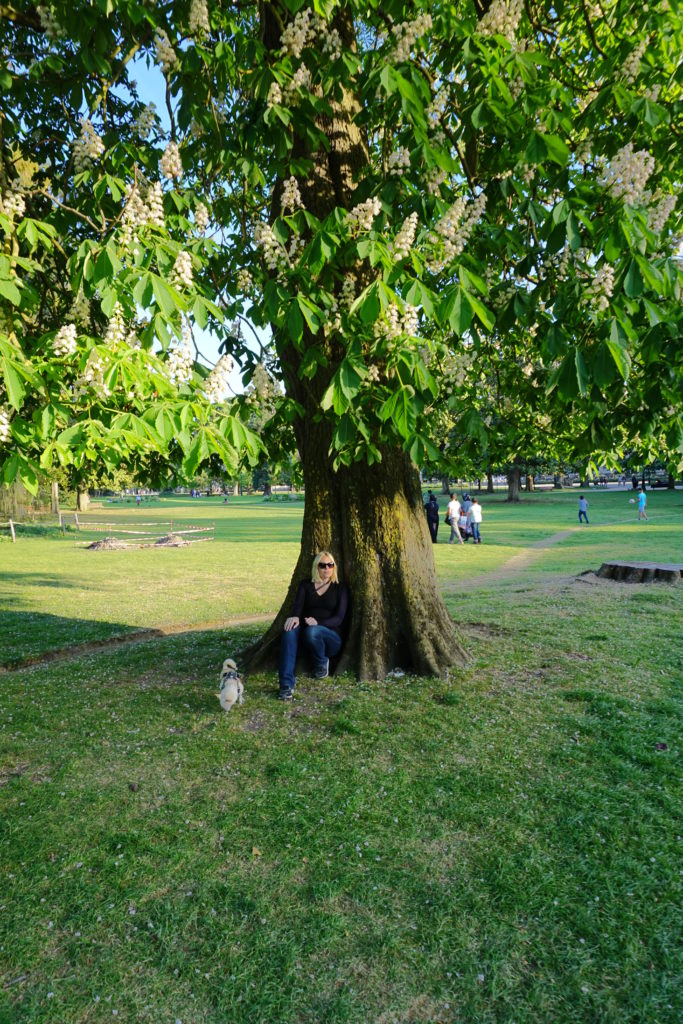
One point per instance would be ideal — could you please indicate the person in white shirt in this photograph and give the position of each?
(454, 515)
(474, 516)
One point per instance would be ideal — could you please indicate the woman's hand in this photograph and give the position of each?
(291, 623)
(310, 621)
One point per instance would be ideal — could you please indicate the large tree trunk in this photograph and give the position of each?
(446, 485)
(557, 482)
(514, 477)
(489, 483)
(671, 482)
(530, 482)
(82, 499)
(373, 522)
(371, 519)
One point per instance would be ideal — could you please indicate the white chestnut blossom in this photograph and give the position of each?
(300, 32)
(300, 82)
(180, 359)
(348, 291)
(216, 384)
(274, 95)
(627, 174)
(393, 325)
(146, 120)
(170, 164)
(201, 218)
(155, 206)
(332, 44)
(455, 228)
(198, 23)
(12, 204)
(5, 430)
(502, 19)
(245, 281)
(273, 253)
(166, 55)
(64, 343)
(87, 148)
(182, 275)
(659, 213)
(599, 290)
(135, 214)
(373, 373)
(360, 218)
(50, 25)
(291, 196)
(434, 178)
(399, 161)
(116, 329)
(403, 242)
(406, 34)
(631, 66)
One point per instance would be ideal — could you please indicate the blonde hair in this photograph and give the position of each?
(327, 557)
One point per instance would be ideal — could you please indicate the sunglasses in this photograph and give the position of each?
(326, 565)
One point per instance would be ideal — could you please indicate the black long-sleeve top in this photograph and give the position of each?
(327, 609)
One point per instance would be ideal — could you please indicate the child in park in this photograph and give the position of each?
(583, 509)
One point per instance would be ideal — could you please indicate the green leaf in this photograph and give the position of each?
(10, 291)
(457, 311)
(618, 346)
(603, 366)
(633, 282)
(167, 300)
(582, 373)
(400, 409)
(295, 323)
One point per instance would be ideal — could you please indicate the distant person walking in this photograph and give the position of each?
(642, 502)
(474, 516)
(583, 509)
(454, 515)
(432, 510)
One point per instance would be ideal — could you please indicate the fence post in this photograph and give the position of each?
(11, 528)
(61, 522)
(78, 525)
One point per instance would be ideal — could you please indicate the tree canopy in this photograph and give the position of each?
(391, 187)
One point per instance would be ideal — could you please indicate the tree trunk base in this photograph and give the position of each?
(373, 523)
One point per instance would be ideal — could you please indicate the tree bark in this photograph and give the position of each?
(557, 482)
(514, 477)
(446, 485)
(671, 482)
(489, 483)
(54, 498)
(82, 499)
(374, 524)
(267, 490)
(529, 482)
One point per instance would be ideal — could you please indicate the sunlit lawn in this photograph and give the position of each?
(498, 847)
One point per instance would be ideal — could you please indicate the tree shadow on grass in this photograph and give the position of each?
(27, 636)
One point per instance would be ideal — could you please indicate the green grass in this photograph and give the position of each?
(497, 847)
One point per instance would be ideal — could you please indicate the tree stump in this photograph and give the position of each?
(641, 572)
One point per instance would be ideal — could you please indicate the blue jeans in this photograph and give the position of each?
(323, 643)
(475, 533)
(583, 514)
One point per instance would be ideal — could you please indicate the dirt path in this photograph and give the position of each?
(139, 636)
(514, 564)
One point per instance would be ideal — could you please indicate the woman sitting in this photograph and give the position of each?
(319, 609)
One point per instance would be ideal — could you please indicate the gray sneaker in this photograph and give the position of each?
(285, 695)
(324, 672)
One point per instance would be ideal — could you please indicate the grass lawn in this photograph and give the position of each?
(501, 846)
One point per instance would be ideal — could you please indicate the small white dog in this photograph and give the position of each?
(231, 685)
